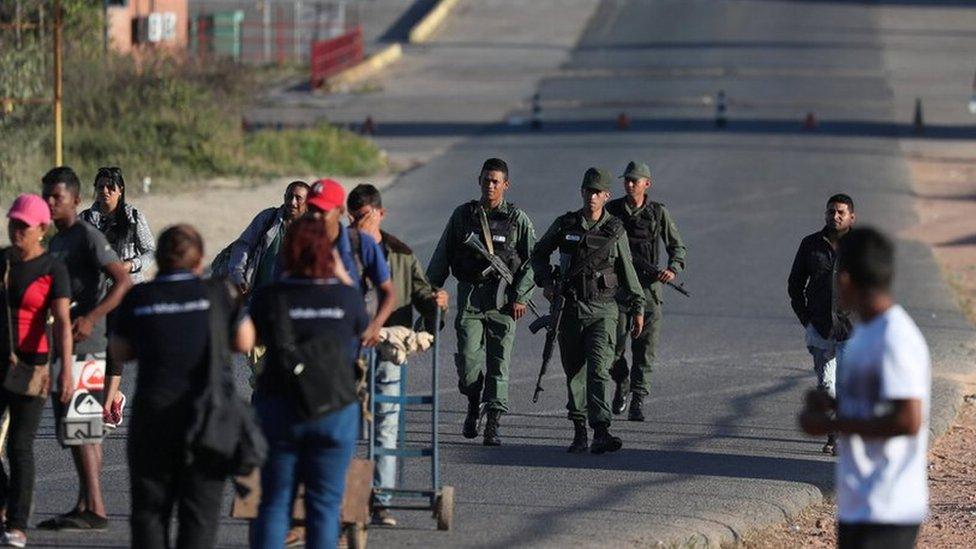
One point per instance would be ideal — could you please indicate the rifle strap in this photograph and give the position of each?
(485, 230)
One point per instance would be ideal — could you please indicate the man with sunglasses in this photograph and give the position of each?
(648, 224)
(486, 320)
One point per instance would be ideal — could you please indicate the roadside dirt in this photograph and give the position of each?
(952, 483)
(945, 189)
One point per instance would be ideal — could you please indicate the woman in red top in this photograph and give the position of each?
(35, 287)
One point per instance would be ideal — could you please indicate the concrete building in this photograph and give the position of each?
(148, 23)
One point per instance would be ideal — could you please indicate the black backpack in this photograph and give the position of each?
(317, 374)
(224, 437)
(220, 266)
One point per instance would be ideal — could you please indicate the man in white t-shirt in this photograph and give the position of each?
(882, 405)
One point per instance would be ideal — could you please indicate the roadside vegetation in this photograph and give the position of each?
(175, 120)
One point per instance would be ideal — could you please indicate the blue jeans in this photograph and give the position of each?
(315, 453)
(825, 353)
(386, 428)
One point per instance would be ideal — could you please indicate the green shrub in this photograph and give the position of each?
(176, 121)
(323, 149)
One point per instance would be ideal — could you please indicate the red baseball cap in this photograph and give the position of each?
(31, 209)
(326, 195)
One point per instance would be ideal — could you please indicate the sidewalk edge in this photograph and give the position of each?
(366, 68)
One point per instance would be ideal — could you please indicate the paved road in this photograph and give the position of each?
(721, 452)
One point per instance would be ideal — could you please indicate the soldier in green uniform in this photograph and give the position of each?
(595, 265)
(648, 224)
(486, 308)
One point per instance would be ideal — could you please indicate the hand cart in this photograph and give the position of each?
(439, 498)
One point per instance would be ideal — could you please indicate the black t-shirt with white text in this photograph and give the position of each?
(315, 306)
(166, 322)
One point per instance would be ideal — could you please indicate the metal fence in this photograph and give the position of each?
(268, 31)
(329, 57)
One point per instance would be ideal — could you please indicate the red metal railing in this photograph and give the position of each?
(329, 57)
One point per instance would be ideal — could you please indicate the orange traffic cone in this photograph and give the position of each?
(368, 127)
(623, 121)
(810, 122)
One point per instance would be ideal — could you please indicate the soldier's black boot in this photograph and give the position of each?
(580, 440)
(636, 408)
(603, 441)
(620, 374)
(831, 446)
(471, 419)
(491, 428)
(619, 399)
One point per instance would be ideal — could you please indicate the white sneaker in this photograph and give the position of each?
(12, 538)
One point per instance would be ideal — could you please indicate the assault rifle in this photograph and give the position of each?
(551, 324)
(680, 288)
(652, 272)
(496, 265)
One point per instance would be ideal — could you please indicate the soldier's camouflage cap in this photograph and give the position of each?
(596, 178)
(636, 170)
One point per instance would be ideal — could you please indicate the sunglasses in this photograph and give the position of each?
(108, 178)
(106, 185)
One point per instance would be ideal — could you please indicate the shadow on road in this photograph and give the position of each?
(399, 31)
(686, 463)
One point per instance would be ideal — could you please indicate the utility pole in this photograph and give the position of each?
(58, 160)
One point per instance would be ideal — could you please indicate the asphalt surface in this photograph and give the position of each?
(720, 452)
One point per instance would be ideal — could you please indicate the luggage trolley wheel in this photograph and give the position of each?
(355, 534)
(444, 508)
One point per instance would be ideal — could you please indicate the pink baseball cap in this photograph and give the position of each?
(31, 209)
(326, 195)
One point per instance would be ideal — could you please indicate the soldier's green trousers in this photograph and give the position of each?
(485, 341)
(586, 349)
(637, 377)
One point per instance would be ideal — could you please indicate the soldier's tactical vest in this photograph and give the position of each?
(468, 265)
(591, 273)
(643, 234)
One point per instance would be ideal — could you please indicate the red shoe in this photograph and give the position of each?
(112, 416)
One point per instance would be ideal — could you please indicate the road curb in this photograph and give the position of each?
(419, 33)
(368, 67)
(424, 29)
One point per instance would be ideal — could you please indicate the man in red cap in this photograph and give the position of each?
(361, 255)
(365, 263)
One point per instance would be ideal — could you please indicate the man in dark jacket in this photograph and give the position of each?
(253, 257)
(813, 297)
